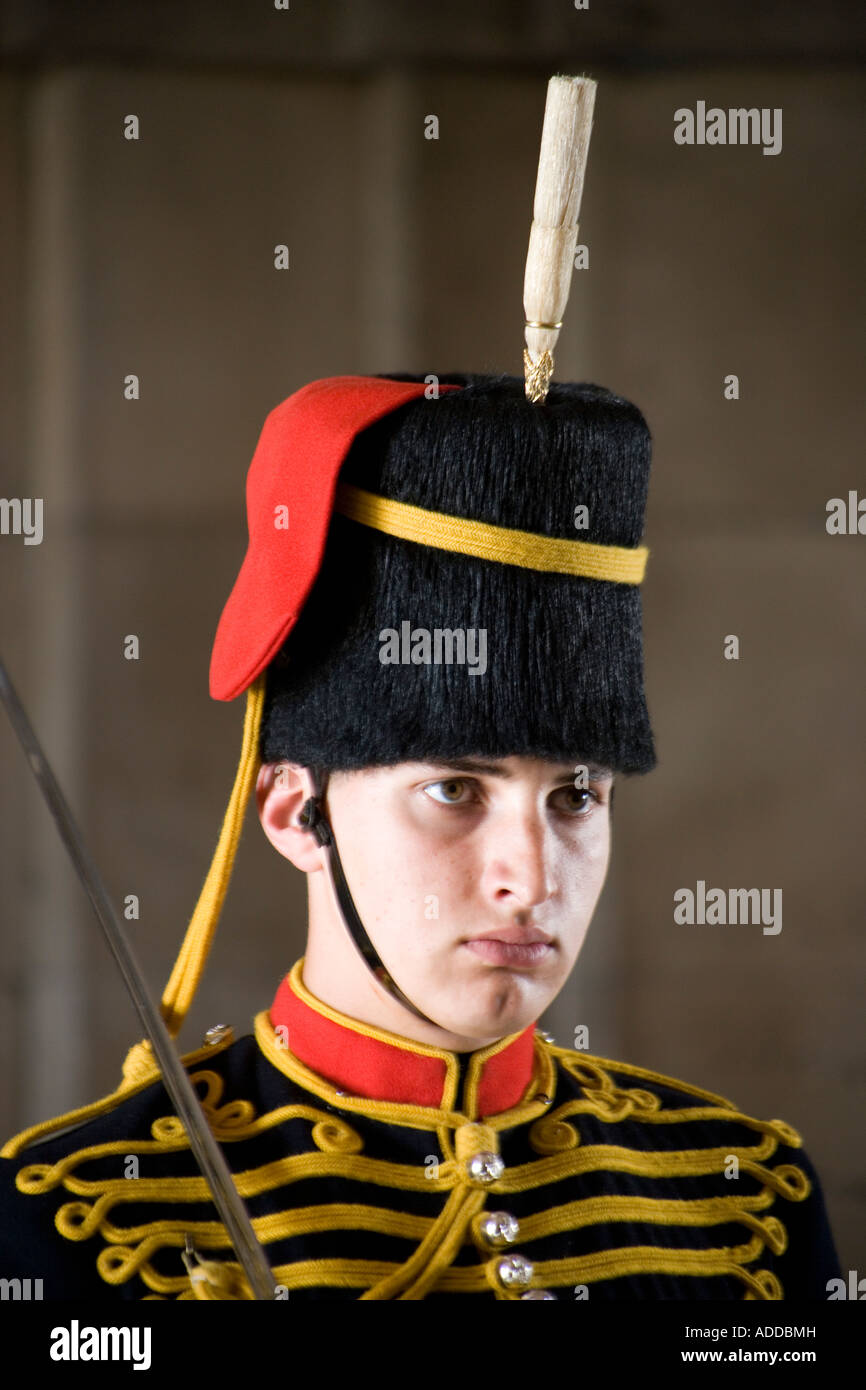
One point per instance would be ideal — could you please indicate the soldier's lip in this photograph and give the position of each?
(530, 949)
(514, 936)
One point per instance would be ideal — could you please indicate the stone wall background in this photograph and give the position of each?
(155, 257)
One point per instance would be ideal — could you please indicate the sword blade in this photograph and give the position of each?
(206, 1151)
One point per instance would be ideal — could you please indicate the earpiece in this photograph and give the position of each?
(311, 818)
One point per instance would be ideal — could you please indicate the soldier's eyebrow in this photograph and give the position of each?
(596, 772)
(484, 769)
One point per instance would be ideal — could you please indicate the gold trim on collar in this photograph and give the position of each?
(541, 1080)
(412, 1116)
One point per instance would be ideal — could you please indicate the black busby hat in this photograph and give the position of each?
(409, 651)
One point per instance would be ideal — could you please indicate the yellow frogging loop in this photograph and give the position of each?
(190, 963)
(413, 1280)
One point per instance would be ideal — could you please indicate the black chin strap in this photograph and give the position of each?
(313, 818)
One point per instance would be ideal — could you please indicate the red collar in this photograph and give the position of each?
(366, 1061)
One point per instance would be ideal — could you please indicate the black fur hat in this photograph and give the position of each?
(363, 680)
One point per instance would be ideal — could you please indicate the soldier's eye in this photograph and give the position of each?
(576, 800)
(446, 793)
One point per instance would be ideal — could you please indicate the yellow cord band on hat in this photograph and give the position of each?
(616, 563)
(190, 963)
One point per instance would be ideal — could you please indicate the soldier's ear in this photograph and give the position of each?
(281, 791)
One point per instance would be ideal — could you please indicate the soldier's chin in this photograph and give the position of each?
(489, 1009)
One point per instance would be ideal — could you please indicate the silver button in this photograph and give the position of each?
(217, 1034)
(500, 1228)
(515, 1271)
(485, 1167)
(539, 1293)
(547, 1037)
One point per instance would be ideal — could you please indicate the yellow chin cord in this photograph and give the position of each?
(188, 967)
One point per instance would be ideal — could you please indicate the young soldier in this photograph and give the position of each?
(443, 681)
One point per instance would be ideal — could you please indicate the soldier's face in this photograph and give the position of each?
(476, 880)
